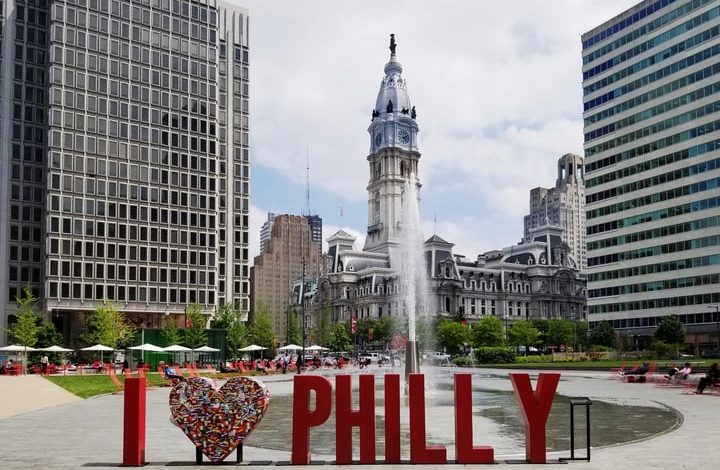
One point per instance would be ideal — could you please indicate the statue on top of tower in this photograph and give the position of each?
(392, 44)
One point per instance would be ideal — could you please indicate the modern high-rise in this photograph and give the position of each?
(124, 158)
(652, 167)
(562, 206)
(265, 231)
(276, 270)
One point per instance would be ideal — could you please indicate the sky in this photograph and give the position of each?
(496, 85)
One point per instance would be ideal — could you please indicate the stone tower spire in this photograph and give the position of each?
(394, 155)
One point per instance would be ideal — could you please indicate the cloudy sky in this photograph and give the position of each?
(496, 86)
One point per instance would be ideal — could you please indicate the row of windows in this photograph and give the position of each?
(644, 29)
(620, 25)
(654, 94)
(122, 251)
(653, 42)
(660, 126)
(667, 266)
(654, 111)
(154, 155)
(680, 283)
(659, 214)
(679, 301)
(654, 146)
(655, 198)
(78, 270)
(680, 155)
(654, 59)
(23, 253)
(80, 206)
(685, 319)
(78, 291)
(655, 180)
(642, 82)
(111, 230)
(657, 250)
(655, 233)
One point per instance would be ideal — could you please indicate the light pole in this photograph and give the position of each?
(302, 307)
(717, 323)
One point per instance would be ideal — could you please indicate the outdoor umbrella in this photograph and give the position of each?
(18, 348)
(316, 347)
(252, 347)
(176, 348)
(290, 347)
(57, 349)
(146, 347)
(207, 349)
(98, 347)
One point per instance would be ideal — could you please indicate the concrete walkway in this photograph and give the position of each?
(88, 433)
(28, 393)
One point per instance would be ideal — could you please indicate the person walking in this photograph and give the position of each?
(44, 361)
(712, 375)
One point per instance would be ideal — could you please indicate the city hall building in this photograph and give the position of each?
(124, 161)
(538, 278)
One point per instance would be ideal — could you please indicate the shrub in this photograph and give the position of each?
(534, 359)
(462, 361)
(663, 350)
(494, 355)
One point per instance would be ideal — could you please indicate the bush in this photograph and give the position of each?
(534, 359)
(462, 361)
(663, 350)
(494, 355)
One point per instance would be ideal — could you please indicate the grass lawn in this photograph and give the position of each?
(86, 386)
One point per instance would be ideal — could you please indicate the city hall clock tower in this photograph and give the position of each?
(393, 158)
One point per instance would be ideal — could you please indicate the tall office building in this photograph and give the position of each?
(562, 206)
(124, 157)
(275, 271)
(265, 231)
(652, 159)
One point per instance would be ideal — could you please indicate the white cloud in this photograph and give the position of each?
(496, 86)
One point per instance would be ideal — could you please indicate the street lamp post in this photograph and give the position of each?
(304, 320)
(717, 323)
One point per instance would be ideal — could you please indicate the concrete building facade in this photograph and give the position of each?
(562, 206)
(652, 167)
(290, 252)
(124, 161)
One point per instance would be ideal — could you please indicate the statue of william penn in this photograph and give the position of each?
(392, 44)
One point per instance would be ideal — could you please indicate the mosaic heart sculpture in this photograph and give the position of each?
(218, 420)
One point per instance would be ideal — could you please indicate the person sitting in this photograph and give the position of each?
(671, 373)
(685, 372)
(711, 377)
(260, 367)
(96, 366)
(169, 372)
(9, 368)
(642, 370)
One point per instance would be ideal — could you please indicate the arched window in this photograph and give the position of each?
(403, 169)
(376, 208)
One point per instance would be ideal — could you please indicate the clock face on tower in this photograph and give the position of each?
(403, 136)
(378, 139)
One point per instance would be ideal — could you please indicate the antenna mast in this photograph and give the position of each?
(307, 180)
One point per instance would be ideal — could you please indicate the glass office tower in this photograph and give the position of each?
(652, 159)
(124, 157)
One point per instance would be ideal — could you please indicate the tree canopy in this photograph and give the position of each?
(670, 330)
(195, 326)
(323, 330)
(170, 331)
(25, 330)
(294, 335)
(451, 335)
(603, 334)
(487, 332)
(108, 326)
(560, 332)
(340, 339)
(261, 329)
(236, 336)
(523, 333)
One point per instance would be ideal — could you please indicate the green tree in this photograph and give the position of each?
(108, 326)
(581, 334)
(523, 333)
(25, 330)
(48, 335)
(670, 331)
(340, 339)
(451, 335)
(384, 330)
(224, 316)
(487, 332)
(294, 336)
(603, 334)
(559, 332)
(236, 336)
(323, 328)
(261, 329)
(170, 331)
(195, 322)
(424, 333)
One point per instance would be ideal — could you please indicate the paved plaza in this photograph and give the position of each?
(53, 430)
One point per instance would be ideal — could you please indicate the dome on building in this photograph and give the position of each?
(392, 88)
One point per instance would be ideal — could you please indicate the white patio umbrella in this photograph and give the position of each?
(147, 347)
(18, 348)
(98, 347)
(56, 349)
(176, 348)
(316, 347)
(207, 349)
(252, 347)
(290, 347)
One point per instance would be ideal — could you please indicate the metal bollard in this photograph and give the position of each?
(578, 401)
